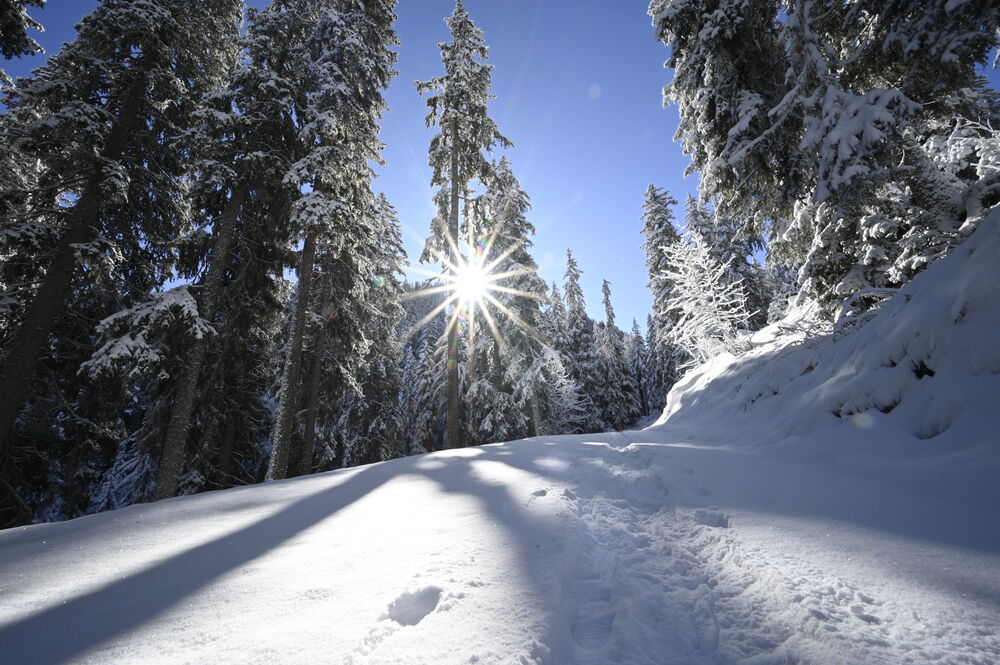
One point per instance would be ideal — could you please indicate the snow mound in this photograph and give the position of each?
(920, 378)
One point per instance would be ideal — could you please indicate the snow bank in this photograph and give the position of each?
(921, 378)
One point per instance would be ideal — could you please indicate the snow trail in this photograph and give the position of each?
(633, 548)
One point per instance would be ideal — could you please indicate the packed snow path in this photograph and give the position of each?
(629, 548)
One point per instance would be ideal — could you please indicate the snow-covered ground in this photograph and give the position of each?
(616, 548)
(829, 499)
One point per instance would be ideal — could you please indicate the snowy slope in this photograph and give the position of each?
(743, 528)
(922, 378)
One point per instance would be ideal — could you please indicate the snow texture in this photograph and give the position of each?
(751, 525)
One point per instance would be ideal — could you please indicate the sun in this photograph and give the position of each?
(472, 285)
(471, 282)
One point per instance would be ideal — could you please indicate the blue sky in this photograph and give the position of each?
(578, 90)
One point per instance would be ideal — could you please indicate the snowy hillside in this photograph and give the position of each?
(864, 532)
(920, 378)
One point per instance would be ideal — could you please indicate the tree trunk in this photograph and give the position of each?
(226, 454)
(536, 417)
(32, 338)
(451, 432)
(180, 417)
(287, 399)
(312, 396)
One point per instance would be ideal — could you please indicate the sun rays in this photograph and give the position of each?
(472, 283)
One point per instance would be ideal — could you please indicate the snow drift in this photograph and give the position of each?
(921, 377)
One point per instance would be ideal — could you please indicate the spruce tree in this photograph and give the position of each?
(710, 310)
(729, 246)
(349, 64)
(581, 356)
(829, 139)
(458, 106)
(637, 360)
(102, 121)
(509, 395)
(365, 358)
(659, 232)
(618, 398)
(14, 25)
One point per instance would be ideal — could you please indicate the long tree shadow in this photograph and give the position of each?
(58, 634)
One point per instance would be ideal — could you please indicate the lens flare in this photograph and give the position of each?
(472, 282)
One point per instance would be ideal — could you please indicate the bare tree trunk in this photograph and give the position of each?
(172, 456)
(288, 395)
(32, 338)
(451, 432)
(312, 396)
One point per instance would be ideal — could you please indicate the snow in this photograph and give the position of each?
(612, 548)
(741, 528)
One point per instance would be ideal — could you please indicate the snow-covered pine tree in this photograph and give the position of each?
(458, 103)
(828, 138)
(553, 321)
(350, 63)
(566, 411)
(101, 120)
(658, 231)
(637, 360)
(656, 389)
(618, 397)
(581, 356)
(428, 402)
(14, 25)
(373, 422)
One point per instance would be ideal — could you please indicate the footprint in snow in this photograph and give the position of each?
(594, 618)
(410, 608)
(593, 631)
(712, 518)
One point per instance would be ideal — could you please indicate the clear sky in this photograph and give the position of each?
(578, 90)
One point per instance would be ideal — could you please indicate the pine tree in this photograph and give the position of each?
(515, 352)
(659, 232)
(657, 384)
(349, 63)
(618, 398)
(101, 120)
(729, 246)
(458, 106)
(637, 360)
(14, 25)
(581, 357)
(710, 311)
(370, 354)
(828, 138)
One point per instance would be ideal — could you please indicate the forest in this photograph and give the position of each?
(202, 287)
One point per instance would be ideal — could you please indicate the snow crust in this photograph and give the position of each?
(751, 525)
